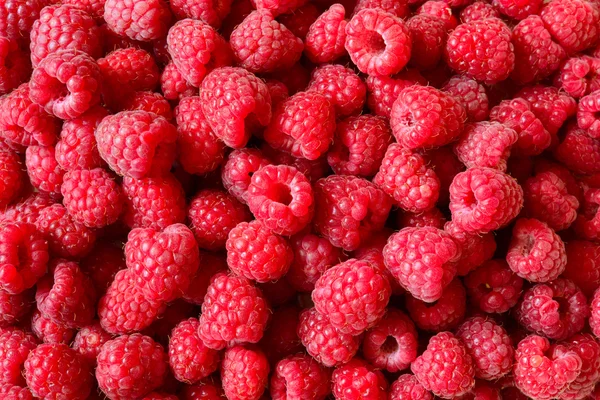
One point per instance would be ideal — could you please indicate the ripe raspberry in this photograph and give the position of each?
(128, 18)
(325, 39)
(594, 320)
(326, 344)
(494, 287)
(235, 102)
(341, 86)
(17, 16)
(443, 122)
(298, 21)
(423, 261)
(582, 267)
(477, 11)
(441, 10)
(244, 373)
(299, 376)
(93, 7)
(475, 248)
(210, 265)
(579, 152)
(12, 178)
(44, 172)
(151, 102)
(398, 8)
(484, 199)
(518, 10)
(15, 66)
(383, 90)
(407, 387)
(578, 76)
(66, 238)
(103, 263)
(433, 218)
(204, 390)
(173, 84)
(89, 341)
(281, 338)
(586, 225)
(57, 371)
(312, 169)
(234, 311)
(445, 314)
(378, 42)
(572, 23)
(211, 12)
(586, 114)
(404, 175)
(392, 343)
(277, 90)
(348, 210)
(428, 35)
(446, 368)
(588, 349)
(13, 392)
(15, 307)
(486, 144)
(550, 105)
(130, 366)
(238, 169)
(358, 380)
(48, 331)
(15, 345)
(471, 95)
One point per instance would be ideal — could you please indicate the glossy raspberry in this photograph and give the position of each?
(44, 172)
(378, 42)
(445, 314)
(594, 320)
(12, 178)
(146, 23)
(244, 373)
(15, 66)
(301, 377)
(48, 331)
(441, 10)
(17, 16)
(15, 308)
(383, 90)
(485, 144)
(348, 210)
(358, 380)
(235, 102)
(341, 86)
(478, 10)
(428, 35)
(210, 265)
(493, 287)
(326, 344)
(424, 117)
(325, 39)
(211, 12)
(586, 114)
(130, 366)
(407, 387)
(173, 84)
(572, 23)
(579, 152)
(89, 341)
(57, 371)
(446, 368)
(103, 263)
(475, 248)
(588, 350)
(15, 345)
(582, 267)
(471, 95)
(578, 76)
(586, 225)
(433, 218)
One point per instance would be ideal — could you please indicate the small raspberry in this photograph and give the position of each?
(382, 91)
(281, 337)
(485, 144)
(471, 95)
(48, 331)
(209, 11)
(173, 85)
(89, 341)
(15, 66)
(494, 287)
(103, 263)
(358, 380)
(579, 152)
(44, 172)
(151, 102)
(238, 169)
(144, 23)
(66, 238)
(477, 11)
(428, 35)
(12, 178)
(588, 349)
(299, 377)
(445, 314)
(407, 387)
(578, 76)
(475, 248)
(441, 10)
(15, 345)
(325, 39)
(244, 373)
(312, 169)
(582, 267)
(15, 307)
(572, 23)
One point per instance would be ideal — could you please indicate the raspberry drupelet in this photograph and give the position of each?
(550, 105)
(588, 349)
(428, 35)
(210, 12)
(325, 38)
(572, 23)
(493, 287)
(586, 225)
(173, 85)
(442, 315)
(48, 331)
(478, 10)
(281, 337)
(578, 151)
(151, 102)
(441, 10)
(244, 373)
(89, 341)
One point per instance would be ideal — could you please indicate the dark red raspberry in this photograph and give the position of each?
(572, 23)
(244, 373)
(428, 35)
(15, 345)
(312, 169)
(446, 368)
(582, 265)
(17, 16)
(12, 178)
(281, 338)
(383, 90)
(160, 396)
(405, 176)
(439, 126)
(493, 287)
(578, 76)
(586, 114)
(103, 263)
(407, 387)
(130, 366)
(299, 376)
(444, 314)
(66, 238)
(423, 261)
(476, 248)
(543, 372)
(57, 371)
(579, 152)
(392, 343)
(471, 95)
(89, 341)
(15, 307)
(151, 102)
(210, 265)
(326, 344)
(173, 84)
(342, 87)
(211, 12)
(478, 10)
(588, 350)
(205, 389)
(358, 380)
(44, 172)
(518, 10)
(298, 21)
(550, 105)
(378, 42)
(278, 7)
(238, 169)
(325, 39)
(441, 10)
(48, 331)
(348, 210)
(486, 144)
(15, 66)
(484, 199)
(146, 23)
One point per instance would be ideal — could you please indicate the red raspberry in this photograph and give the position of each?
(494, 287)
(130, 366)
(298, 21)
(234, 311)
(588, 349)
(407, 387)
(312, 169)
(151, 102)
(484, 199)
(544, 372)
(471, 95)
(103, 263)
(23, 256)
(15, 66)
(378, 42)
(93, 7)
(475, 248)
(441, 10)
(383, 90)
(147, 23)
(428, 35)
(204, 390)
(477, 11)
(12, 178)
(358, 380)
(433, 218)
(518, 10)
(44, 172)
(238, 169)
(413, 129)
(572, 23)
(486, 144)
(586, 225)
(579, 152)
(586, 114)
(341, 86)
(446, 368)
(578, 76)
(442, 315)
(14, 307)
(278, 7)
(57, 371)
(24, 122)
(582, 267)
(77, 148)
(392, 343)
(398, 8)
(348, 210)
(423, 261)
(299, 376)
(281, 338)
(325, 39)
(404, 175)
(211, 12)
(17, 16)
(48, 331)
(244, 373)
(66, 238)
(489, 345)
(326, 344)
(15, 345)
(235, 102)
(89, 341)
(550, 105)
(173, 84)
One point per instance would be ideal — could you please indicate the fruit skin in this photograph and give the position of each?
(244, 373)
(300, 377)
(15, 307)
(572, 23)
(44, 172)
(357, 380)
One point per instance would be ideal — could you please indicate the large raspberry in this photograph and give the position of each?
(428, 35)
(342, 87)
(244, 373)
(572, 23)
(145, 23)
(44, 172)
(326, 36)
(588, 350)
(493, 287)
(444, 314)
(358, 380)
(15, 345)
(299, 376)
(17, 17)
(550, 105)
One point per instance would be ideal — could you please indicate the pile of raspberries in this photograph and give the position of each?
(299, 200)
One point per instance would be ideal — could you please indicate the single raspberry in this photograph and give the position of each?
(298, 21)
(299, 376)
(441, 10)
(348, 210)
(244, 373)
(433, 218)
(44, 172)
(550, 105)
(486, 144)
(173, 84)
(383, 90)
(24, 122)
(17, 17)
(151, 102)
(578, 76)
(12, 178)
(15, 66)
(325, 39)
(398, 8)
(471, 95)
(238, 169)
(428, 35)
(235, 102)
(358, 380)
(281, 337)
(378, 42)
(57, 371)
(478, 10)
(518, 10)
(407, 387)
(146, 23)
(341, 86)
(578, 151)
(493, 287)
(15, 307)
(404, 175)
(586, 114)
(66, 238)
(312, 169)
(206, 389)
(48, 331)
(103, 263)
(130, 366)
(444, 314)
(581, 268)
(476, 248)
(412, 128)
(209, 11)
(588, 349)
(15, 345)
(446, 368)
(572, 23)
(89, 341)
(423, 261)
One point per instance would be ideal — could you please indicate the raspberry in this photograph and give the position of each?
(428, 40)
(392, 343)
(14, 307)
(383, 90)
(586, 347)
(423, 261)
(518, 10)
(407, 387)
(44, 172)
(234, 311)
(446, 368)
(484, 199)
(471, 95)
(15, 392)
(378, 42)
(536, 252)
(572, 23)
(93, 7)
(581, 268)
(281, 338)
(299, 376)
(173, 84)
(312, 169)
(76, 148)
(238, 169)
(586, 225)
(128, 18)
(210, 264)
(277, 90)
(475, 248)
(16, 17)
(544, 372)
(323, 342)
(235, 102)
(15, 66)
(442, 123)
(23, 256)
(160, 396)
(103, 263)
(477, 11)
(404, 175)
(151, 102)
(57, 371)
(550, 105)
(204, 390)
(66, 238)
(67, 296)
(594, 320)
(441, 10)
(325, 39)
(348, 210)
(24, 122)
(130, 366)
(398, 8)
(281, 198)
(15, 345)
(211, 12)
(586, 114)
(244, 373)
(89, 341)
(48, 331)
(486, 144)
(358, 380)
(445, 314)
(120, 143)
(579, 152)
(12, 178)
(578, 76)
(494, 287)
(341, 86)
